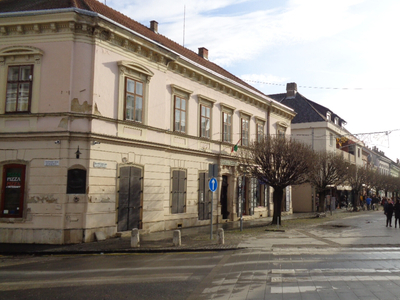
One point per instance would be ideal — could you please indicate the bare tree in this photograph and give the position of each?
(356, 177)
(327, 170)
(279, 162)
(375, 180)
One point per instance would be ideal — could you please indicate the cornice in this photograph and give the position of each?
(96, 29)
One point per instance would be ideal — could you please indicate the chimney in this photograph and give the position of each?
(154, 26)
(291, 89)
(203, 52)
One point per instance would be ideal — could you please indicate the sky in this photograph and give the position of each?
(343, 54)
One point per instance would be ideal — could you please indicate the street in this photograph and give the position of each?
(352, 258)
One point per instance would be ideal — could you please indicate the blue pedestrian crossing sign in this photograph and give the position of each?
(213, 184)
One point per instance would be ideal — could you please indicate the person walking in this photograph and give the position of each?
(368, 201)
(389, 208)
(397, 213)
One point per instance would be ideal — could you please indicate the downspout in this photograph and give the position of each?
(268, 187)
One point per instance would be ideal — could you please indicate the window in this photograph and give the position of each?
(260, 194)
(19, 87)
(336, 120)
(205, 108)
(226, 122)
(76, 182)
(205, 121)
(134, 82)
(226, 127)
(260, 124)
(328, 116)
(178, 192)
(281, 129)
(244, 134)
(180, 114)
(180, 103)
(133, 100)
(13, 191)
(20, 68)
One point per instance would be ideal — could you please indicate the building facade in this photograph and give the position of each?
(323, 130)
(106, 125)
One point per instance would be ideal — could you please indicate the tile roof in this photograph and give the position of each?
(307, 110)
(100, 8)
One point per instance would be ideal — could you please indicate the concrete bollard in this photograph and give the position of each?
(177, 238)
(135, 239)
(220, 236)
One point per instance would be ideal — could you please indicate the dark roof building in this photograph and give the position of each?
(307, 110)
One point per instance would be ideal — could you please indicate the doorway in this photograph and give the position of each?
(224, 197)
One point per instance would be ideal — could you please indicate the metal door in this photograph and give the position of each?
(130, 198)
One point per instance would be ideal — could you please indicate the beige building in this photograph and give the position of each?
(107, 125)
(323, 130)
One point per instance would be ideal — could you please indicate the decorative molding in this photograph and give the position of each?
(203, 98)
(227, 107)
(180, 90)
(98, 29)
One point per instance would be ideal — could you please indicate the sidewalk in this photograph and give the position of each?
(193, 239)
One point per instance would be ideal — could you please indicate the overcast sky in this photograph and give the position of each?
(343, 54)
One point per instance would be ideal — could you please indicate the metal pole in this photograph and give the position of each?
(211, 217)
(241, 205)
(278, 222)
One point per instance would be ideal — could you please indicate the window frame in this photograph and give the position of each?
(227, 134)
(182, 93)
(208, 103)
(21, 56)
(245, 119)
(21, 206)
(135, 95)
(244, 131)
(260, 122)
(137, 72)
(19, 82)
(281, 128)
(204, 133)
(328, 116)
(180, 111)
(226, 110)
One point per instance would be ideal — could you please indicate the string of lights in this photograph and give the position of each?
(316, 87)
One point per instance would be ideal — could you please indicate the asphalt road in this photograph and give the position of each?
(352, 258)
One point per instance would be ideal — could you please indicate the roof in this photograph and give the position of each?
(8, 6)
(307, 110)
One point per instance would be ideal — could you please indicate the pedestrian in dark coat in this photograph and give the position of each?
(397, 213)
(389, 208)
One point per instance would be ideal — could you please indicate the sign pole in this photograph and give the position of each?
(211, 217)
(213, 185)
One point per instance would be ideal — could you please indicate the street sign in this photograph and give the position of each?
(213, 184)
(212, 170)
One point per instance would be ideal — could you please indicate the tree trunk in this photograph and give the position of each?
(356, 199)
(322, 202)
(277, 198)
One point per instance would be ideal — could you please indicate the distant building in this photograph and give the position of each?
(107, 125)
(323, 130)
